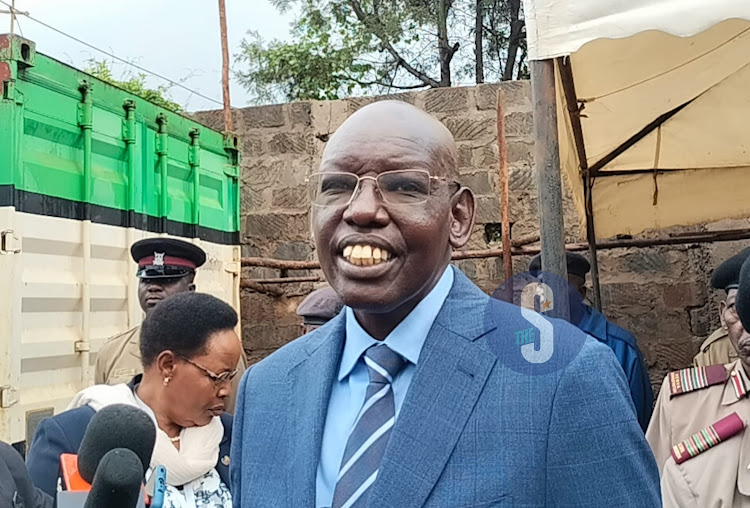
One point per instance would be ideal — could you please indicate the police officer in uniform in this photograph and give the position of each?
(318, 308)
(622, 342)
(166, 266)
(697, 432)
(717, 348)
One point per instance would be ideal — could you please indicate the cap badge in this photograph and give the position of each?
(159, 258)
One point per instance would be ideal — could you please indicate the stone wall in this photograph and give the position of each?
(660, 294)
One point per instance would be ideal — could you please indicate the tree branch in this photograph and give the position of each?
(381, 83)
(362, 17)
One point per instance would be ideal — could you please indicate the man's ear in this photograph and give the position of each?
(463, 211)
(191, 287)
(722, 308)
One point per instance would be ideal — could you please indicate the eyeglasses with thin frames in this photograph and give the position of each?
(397, 187)
(218, 379)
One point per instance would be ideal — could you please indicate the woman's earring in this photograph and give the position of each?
(166, 381)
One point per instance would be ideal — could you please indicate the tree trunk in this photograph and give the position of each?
(478, 38)
(444, 49)
(516, 26)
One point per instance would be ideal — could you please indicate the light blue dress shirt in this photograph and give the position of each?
(348, 391)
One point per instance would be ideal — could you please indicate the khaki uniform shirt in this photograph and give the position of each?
(119, 360)
(715, 350)
(718, 476)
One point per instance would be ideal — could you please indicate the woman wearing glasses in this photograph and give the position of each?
(189, 351)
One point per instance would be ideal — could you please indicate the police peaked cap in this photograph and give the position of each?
(163, 258)
(320, 306)
(577, 264)
(726, 276)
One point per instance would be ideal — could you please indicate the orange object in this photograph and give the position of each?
(71, 477)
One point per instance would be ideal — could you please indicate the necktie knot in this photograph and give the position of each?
(383, 363)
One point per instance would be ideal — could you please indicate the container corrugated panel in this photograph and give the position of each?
(86, 169)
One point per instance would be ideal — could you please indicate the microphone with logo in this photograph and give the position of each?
(123, 435)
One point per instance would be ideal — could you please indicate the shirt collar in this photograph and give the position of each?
(737, 385)
(407, 338)
(593, 322)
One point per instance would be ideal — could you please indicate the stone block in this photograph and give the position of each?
(468, 266)
(441, 100)
(685, 294)
(289, 143)
(300, 113)
(480, 182)
(486, 96)
(521, 179)
(295, 251)
(517, 95)
(213, 119)
(252, 147)
(465, 156)
(470, 129)
(519, 124)
(487, 156)
(291, 198)
(520, 153)
(357, 103)
(488, 209)
(409, 97)
(277, 226)
(700, 321)
(261, 116)
(260, 173)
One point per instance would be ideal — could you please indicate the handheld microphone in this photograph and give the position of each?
(117, 482)
(115, 426)
(16, 488)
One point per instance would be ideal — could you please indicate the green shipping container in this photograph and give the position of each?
(86, 169)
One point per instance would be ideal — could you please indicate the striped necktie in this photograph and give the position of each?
(371, 430)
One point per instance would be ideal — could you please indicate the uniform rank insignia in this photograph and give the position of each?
(695, 378)
(707, 438)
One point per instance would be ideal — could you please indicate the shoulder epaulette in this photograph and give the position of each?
(696, 378)
(707, 438)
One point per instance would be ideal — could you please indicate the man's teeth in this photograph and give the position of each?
(365, 255)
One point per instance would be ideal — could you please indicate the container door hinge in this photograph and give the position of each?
(9, 242)
(232, 267)
(8, 396)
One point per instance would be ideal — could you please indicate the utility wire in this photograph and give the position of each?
(111, 55)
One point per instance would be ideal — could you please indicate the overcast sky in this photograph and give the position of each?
(176, 38)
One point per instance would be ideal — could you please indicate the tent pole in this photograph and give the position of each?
(574, 113)
(549, 180)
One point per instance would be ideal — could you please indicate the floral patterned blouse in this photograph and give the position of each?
(208, 491)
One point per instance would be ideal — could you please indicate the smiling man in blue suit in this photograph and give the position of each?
(414, 395)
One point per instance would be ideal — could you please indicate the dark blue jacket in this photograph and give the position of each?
(628, 355)
(63, 433)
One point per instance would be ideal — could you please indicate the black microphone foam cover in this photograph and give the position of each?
(742, 301)
(116, 426)
(117, 482)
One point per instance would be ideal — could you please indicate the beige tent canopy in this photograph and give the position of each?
(653, 101)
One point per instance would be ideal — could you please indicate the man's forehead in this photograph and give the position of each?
(353, 153)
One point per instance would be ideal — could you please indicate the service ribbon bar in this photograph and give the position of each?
(707, 438)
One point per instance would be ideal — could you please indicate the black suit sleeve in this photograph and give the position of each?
(43, 462)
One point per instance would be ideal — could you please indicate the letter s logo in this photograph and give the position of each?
(546, 330)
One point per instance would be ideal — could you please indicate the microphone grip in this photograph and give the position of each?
(160, 486)
(117, 482)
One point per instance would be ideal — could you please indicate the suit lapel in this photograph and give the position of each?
(310, 383)
(449, 378)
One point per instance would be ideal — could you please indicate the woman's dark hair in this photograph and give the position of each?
(183, 324)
